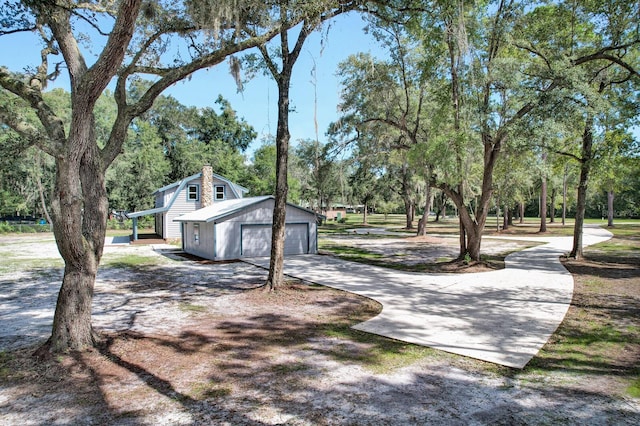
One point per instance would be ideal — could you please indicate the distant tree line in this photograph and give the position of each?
(172, 141)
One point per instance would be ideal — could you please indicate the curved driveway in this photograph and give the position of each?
(502, 316)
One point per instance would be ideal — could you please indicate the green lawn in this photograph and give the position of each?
(397, 222)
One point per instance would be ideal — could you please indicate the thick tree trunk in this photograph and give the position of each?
(72, 329)
(472, 231)
(474, 240)
(79, 214)
(610, 197)
(407, 213)
(474, 227)
(441, 209)
(581, 204)
(79, 202)
(462, 239)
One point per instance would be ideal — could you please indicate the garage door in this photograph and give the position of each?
(256, 240)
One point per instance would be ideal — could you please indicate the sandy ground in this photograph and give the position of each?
(190, 324)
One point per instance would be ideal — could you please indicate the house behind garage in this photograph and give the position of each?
(187, 195)
(240, 228)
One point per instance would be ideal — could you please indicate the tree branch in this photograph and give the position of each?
(53, 124)
(100, 74)
(568, 154)
(531, 49)
(19, 30)
(168, 76)
(28, 132)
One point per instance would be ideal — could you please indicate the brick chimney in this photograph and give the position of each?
(207, 186)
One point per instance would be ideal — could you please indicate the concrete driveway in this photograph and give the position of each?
(503, 316)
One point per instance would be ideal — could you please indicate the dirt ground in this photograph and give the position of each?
(425, 253)
(196, 343)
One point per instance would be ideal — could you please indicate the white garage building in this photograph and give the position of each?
(234, 229)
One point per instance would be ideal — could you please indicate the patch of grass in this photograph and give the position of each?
(634, 389)
(335, 228)
(13, 264)
(350, 253)
(5, 359)
(190, 307)
(129, 261)
(615, 246)
(209, 389)
(376, 353)
(593, 283)
(586, 349)
(288, 368)
(625, 229)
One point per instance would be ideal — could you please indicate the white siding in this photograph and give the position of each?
(181, 205)
(204, 246)
(225, 237)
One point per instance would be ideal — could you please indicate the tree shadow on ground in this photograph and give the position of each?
(600, 335)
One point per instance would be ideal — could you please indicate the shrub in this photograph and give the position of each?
(7, 228)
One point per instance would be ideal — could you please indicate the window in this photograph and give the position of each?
(218, 192)
(196, 233)
(193, 193)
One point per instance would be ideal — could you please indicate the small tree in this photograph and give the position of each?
(278, 63)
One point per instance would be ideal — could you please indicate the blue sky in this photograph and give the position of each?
(257, 104)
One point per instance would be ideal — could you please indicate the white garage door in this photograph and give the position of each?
(256, 240)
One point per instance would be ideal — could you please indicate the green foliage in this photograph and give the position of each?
(137, 173)
(191, 137)
(7, 228)
(261, 176)
(170, 142)
(318, 173)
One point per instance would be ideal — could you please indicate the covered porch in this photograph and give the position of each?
(143, 238)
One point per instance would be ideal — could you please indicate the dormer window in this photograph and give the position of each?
(218, 193)
(193, 192)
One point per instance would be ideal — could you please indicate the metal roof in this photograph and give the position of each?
(235, 188)
(221, 209)
(148, 212)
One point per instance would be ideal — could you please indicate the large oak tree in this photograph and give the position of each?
(166, 40)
